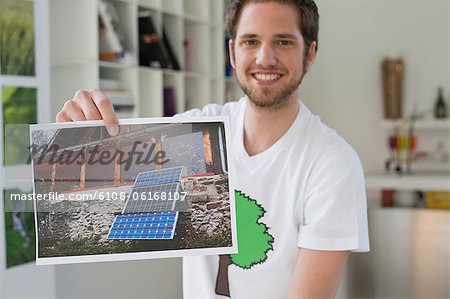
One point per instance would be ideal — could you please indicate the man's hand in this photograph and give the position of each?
(317, 273)
(89, 105)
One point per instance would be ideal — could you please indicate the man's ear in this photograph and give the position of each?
(310, 56)
(231, 51)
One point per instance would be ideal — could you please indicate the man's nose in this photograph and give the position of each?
(266, 56)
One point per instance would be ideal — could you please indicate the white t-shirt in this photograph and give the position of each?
(310, 184)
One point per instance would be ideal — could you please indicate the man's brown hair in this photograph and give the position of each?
(307, 10)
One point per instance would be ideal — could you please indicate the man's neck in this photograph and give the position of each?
(264, 127)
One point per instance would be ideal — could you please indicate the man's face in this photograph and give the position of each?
(267, 53)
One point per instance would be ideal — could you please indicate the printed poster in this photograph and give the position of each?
(159, 188)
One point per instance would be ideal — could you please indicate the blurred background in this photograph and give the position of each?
(381, 79)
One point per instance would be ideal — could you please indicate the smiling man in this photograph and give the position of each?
(268, 53)
(307, 181)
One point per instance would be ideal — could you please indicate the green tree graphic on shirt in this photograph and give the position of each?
(254, 241)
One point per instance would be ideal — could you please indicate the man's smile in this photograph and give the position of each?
(266, 77)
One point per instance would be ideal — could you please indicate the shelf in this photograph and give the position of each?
(428, 124)
(115, 65)
(172, 13)
(194, 19)
(74, 63)
(150, 69)
(172, 7)
(199, 22)
(409, 182)
(172, 72)
(126, 1)
(195, 75)
(153, 4)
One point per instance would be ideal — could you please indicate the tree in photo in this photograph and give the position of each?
(254, 241)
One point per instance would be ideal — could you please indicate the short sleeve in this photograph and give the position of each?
(335, 207)
(208, 110)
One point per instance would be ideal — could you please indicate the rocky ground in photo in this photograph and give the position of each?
(210, 202)
(78, 223)
(93, 219)
(76, 220)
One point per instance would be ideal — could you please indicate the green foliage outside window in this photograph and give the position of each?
(19, 110)
(17, 55)
(19, 230)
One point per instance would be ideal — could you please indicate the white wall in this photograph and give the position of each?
(344, 86)
(345, 89)
(27, 281)
(147, 279)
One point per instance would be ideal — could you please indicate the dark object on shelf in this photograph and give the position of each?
(405, 199)
(170, 104)
(151, 52)
(387, 198)
(110, 33)
(174, 64)
(440, 109)
(392, 78)
(111, 56)
(398, 144)
(228, 67)
(412, 141)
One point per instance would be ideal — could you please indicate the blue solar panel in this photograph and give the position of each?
(144, 226)
(156, 198)
(145, 215)
(160, 176)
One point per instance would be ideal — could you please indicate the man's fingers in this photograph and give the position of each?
(106, 110)
(61, 116)
(73, 111)
(88, 107)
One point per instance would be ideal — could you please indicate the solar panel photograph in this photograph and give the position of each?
(157, 189)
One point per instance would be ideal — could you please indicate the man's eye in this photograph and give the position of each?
(250, 42)
(284, 43)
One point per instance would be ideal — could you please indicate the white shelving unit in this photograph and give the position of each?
(201, 80)
(409, 182)
(427, 130)
(41, 282)
(73, 43)
(425, 124)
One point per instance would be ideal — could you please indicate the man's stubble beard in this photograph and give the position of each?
(278, 100)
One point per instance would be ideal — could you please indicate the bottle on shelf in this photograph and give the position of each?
(440, 109)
